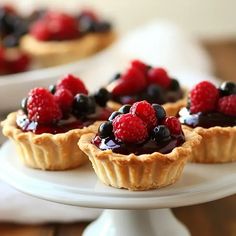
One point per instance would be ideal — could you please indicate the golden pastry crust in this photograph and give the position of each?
(47, 151)
(52, 53)
(139, 172)
(217, 145)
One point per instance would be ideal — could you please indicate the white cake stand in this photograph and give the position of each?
(134, 214)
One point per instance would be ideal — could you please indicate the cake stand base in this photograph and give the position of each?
(136, 223)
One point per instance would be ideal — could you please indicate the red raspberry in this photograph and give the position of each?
(139, 65)
(203, 97)
(64, 99)
(18, 64)
(145, 111)
(61, 26)
(2, 61)
(42, 107)
(129, 128)
(131, 82)
(40, 31)
(73, 84)
(173, 124)
(227, 105)
(159, 76)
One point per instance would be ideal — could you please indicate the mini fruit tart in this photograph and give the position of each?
(58, 38)
(141, 81)
(139, 148)
(211, 113)
(47, 128)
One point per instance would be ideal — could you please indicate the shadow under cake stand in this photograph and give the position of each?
(128, 213)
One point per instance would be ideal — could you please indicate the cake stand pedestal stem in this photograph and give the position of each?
(159, 222)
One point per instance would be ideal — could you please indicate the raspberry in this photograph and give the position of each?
(61, 26)
(18, 64)
(139, 65)
(2, 61)
(203, 97)
(145, 111)
(64, 99)
(159, 76)
(42, 107)
(227, 105)
(173, 125)
(129, 128)
(73, 84)
(40, 31)
(131, 82)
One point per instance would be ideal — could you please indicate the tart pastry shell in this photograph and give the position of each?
(139, 172)
(52, 53)
(218, 145)
(47, 151)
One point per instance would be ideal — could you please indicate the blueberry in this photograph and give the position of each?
(161, 134)
(228, 88)
(116, 77)
(10, 41)
(82, 105)
(102, 26)
(105, 129)
(174, 86)
(102, 97)
(155, 93)
(160, 111)
(114, 115)
(52, 88)
(86, 24)
(91, 105)
(125, 109)
(24, 105)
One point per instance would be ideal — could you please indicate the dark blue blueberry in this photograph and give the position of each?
(102, 97)
(125, 109)
(24, 105)
(103, 26)
(161, 134)
(105, 129)
(174, 86)
(155, 93)
(52, 88)
(227, 88)
(114, 115)
(160, 111)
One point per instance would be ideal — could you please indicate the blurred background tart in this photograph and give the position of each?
(57, 38)
(141, 81)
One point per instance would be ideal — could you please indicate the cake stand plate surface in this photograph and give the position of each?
(80, 187)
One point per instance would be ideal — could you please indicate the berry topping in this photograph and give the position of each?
(139, 65)
(19, 63)
(155, 93)
(125, 109)
(114, 115)
(40, 30)
(203, 97)
(64, 98)
(161, 134)
(102, 97)
(145, 111)
(160, 112)
(132, 81)
(83, 105)
(73, 84)
(105, 129)
(159, 76)
(24, 105)
(129, 128)
(42, 107)
(174, 86)
(173, 124)
(227, 105)
(52, 88)
(227, 88)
